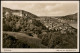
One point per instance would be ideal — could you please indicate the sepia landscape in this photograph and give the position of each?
(23, 29)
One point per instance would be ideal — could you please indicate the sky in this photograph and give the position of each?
(44, 9)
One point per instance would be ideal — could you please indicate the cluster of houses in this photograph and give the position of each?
(57, 25)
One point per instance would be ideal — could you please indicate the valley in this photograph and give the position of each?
(22, 29)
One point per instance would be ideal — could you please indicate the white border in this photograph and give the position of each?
(40, 50)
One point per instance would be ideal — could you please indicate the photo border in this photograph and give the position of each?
(31, 0)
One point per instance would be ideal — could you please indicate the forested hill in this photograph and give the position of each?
(19, 20)
(22, 13)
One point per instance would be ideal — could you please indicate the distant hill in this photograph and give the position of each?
(52, 32)
(69, 18)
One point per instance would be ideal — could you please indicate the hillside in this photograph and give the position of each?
(50, 32)
(69, 18)
(19, 40)
(21, 13)
(13, 20)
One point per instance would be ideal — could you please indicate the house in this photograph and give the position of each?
(18, 13)
(6, 13)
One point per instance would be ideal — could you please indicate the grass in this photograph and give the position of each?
(20, 40)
